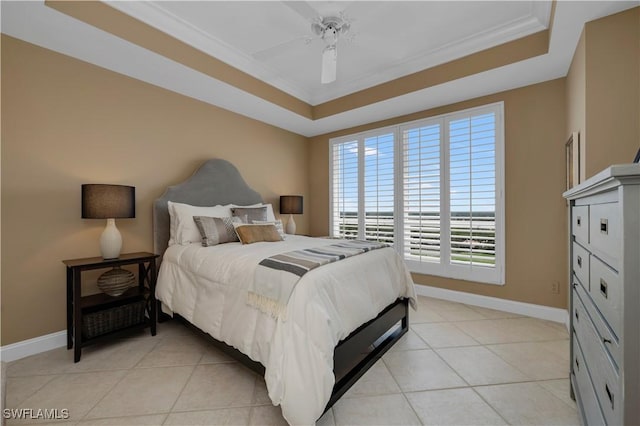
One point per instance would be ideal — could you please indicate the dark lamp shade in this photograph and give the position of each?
(108, 201)
(291, 204)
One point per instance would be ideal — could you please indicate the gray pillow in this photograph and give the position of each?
(216, 230)
(249, 214)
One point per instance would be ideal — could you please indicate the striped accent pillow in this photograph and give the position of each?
(216, 230)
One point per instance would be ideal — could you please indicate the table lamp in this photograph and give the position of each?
(291, 204)
(109, 202)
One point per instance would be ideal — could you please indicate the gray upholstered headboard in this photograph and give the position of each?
(215, 182)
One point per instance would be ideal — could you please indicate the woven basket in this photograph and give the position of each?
(101, 322)
(116, 281)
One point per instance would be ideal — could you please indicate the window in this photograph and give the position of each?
(363, 203)
(431, 188)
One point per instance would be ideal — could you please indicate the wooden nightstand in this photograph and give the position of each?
(97, 317)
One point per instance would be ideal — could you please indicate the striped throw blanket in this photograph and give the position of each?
(276, 276)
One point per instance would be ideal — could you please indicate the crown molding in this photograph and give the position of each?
(153, 14)
(158, 17)
(471, 44)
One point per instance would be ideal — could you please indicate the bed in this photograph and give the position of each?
(340, 319)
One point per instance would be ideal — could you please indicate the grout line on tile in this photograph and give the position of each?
(412, 409)
(251, 411)
(186, 382)
(105, 395)
(521, 341)
(537, 382)
(573, 406)
(419, 337)
(391, 374)
(495, 410)
(52, 377)
(151, 349)
(451, 367)
(525, 374)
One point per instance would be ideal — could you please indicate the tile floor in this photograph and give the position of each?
(458, 365)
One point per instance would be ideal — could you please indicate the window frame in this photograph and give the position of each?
(444, 267)
(360, 138)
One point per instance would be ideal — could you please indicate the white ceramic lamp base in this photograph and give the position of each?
(291, 226)
(110, 241)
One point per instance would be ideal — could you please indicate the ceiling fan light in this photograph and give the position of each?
(329, 64)
(317, 28)
(330, 35)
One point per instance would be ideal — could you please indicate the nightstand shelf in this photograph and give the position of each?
(101, 301)
(99, 317)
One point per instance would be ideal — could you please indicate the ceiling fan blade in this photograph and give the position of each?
(329, 64)
(303, 9)
(356, 10)
(279, 48)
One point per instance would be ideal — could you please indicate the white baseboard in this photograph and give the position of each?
(528, 309)
(55, 340)
(33, 346)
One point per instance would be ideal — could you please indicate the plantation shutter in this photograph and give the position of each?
(472, 189)
(421, 195)
(344, 189)
(379, 199)
(432, 188)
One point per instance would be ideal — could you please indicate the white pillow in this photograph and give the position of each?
(270, 216)
(183, 229)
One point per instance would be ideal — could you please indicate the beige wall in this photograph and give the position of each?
(575, 94)
(69, 123)
(535, 210)
(612, 70)
(65, 123)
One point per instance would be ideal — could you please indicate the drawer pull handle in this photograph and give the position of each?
(579, 220)
(577, 364)
(603, 288)
(605, 340)
(604, 226)
(577, 316)
(579, 262)
(609, 394)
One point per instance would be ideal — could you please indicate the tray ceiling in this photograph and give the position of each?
(272, 41)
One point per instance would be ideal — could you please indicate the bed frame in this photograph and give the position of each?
(219, 182)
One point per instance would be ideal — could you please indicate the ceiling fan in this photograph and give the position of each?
(329, 29)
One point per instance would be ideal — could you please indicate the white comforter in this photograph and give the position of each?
(208, 287)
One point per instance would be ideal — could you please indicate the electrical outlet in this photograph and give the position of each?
(555, 287)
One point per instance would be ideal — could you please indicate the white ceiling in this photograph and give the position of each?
(267, 40)
(273, 40)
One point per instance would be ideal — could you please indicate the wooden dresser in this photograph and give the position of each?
(605, 296)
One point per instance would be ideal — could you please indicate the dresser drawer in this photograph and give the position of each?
(604, 231)
(579, 313)
(606, 291)
(586, 395)
(604, 377)
(582, 305)
(580, 223)
(580, 264)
